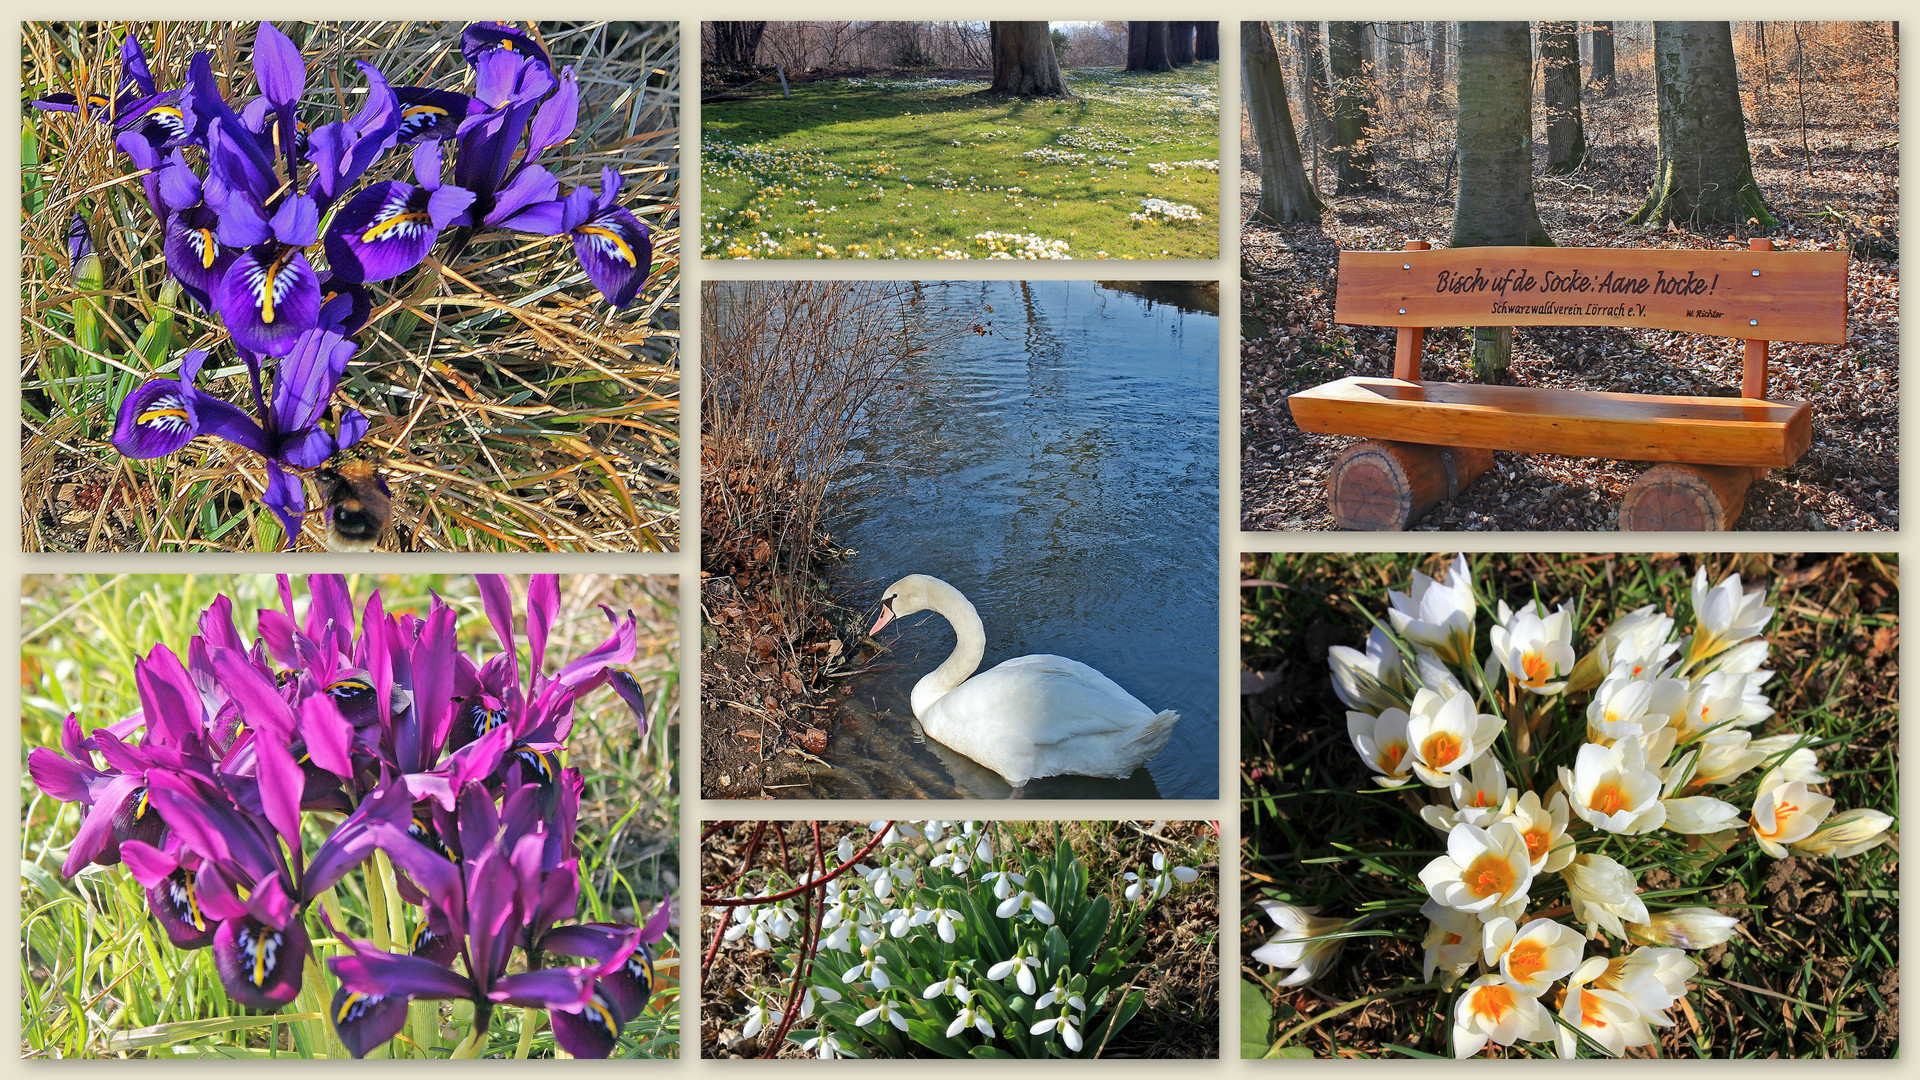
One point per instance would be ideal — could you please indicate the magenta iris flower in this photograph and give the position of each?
(334, 707)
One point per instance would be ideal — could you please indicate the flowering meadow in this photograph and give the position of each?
(918, 168)
(1573, 806)
(441, 254)
(959, 939)
(332, 817)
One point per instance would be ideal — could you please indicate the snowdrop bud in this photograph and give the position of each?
(846, 849)
(1186, 875)
(1847, 834)
(1684, 928)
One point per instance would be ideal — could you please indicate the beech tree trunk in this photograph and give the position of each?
(1180, 43)
(1285, 192)
(1602, 41)
(736, 43)
(1352, 108)
(1560, 56)
(1705, 173)
(1316, 94)
(1436, 62)
(1494, 205)
(1148, 46)
(1206, 41)
(1023, 60)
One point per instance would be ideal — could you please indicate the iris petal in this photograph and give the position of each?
(156, 419)
(175, 904)
(269, 297)
(260, 965)
(616, 251)
(593, 1032)
(383, 232)
(364, 1021)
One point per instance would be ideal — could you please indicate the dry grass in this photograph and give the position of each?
(512, 409)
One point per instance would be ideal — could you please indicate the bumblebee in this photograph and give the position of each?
(359, 506)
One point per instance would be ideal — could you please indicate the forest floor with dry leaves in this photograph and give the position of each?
(1842, 192)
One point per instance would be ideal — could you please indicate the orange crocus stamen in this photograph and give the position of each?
(1440, 749)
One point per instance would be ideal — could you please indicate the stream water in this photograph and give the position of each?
(1062, 471)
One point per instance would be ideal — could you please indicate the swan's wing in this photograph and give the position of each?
(1058, 698)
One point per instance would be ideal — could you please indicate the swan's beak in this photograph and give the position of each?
(886, 616)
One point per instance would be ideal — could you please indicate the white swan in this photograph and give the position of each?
(1031, 716)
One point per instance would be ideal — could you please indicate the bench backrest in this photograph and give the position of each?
(1760, 295)
(1772, 295)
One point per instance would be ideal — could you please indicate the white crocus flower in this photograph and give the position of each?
(1433, 673)
(1532, 957)
(1021, 967)
(1724, 756)
(1025, 900)
(1603, 893)
(1788, 814)
(1452, 943)
(1638, 642)
(1438, 616)
(1067, 1033)
(1626, 707)
(1294, 946)
(1612, 789)
(1847, 834)
(1800, 762)
(1382, 744)
(884, 1013)
(1483, 869)
(1544, 828)
(1726, 615)
(1445, 736)
(1721, 699)
(1371, 681)
(1535, 648)
(1490, 1009)
(1605, 1016)
(1482, 796)
(1684, 928)
(1651, 978)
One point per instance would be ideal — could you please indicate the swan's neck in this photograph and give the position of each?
(970, 644)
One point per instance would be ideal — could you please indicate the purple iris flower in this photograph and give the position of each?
(614, 247)
(388, 228)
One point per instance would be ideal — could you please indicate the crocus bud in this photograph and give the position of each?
(1847, 833)
(1294, 944)
(1684, 928)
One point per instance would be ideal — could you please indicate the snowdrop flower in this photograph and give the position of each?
(1605, 1016)
(969, 1017)
(845, 850)
(942, 920)
(1787, 814)
(839, 939)
(1021, 967)
(1492, 1010)
(1025, 900)
(1532, 957)
(1067, 1033)
(826, 1045)
(758, 1017)
(1847, 833)
(884, 1013)
(1447, 735)
(1612, 789)
(880, 882)
(1725, 614)
(1626, 707)
(949, 985)
(816, 993)
(1482, 869)
(743, 923)
(1004, 882)
(1437, 616)
(1534, 647)
(1452, 942)
(868, 970)
(1061, 992)
(1382, 743)
(900, 920)
(1294, 946)
(1372, 681)
(1603, 893)
(1544, 828)
(898, 833)
(1684, 928)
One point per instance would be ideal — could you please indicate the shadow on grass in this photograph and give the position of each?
(943, 117)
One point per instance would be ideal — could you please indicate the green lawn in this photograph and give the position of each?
(938, 169)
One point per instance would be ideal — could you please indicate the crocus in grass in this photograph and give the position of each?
(1603, 893)
(1382, 745)
(1629, 706)
(1725, 615)
(1847, 834)
(1684, 928)
(1370, 682)
(1786, 815)
(1604, 1016)
(1452, 941)
(1534, 956)
(1446, 735)
(1612, 789)
(1490, 1009)
(1436, 615)
(1483, 871)
(1305, 943)
(1535, 648)
(1544, 829)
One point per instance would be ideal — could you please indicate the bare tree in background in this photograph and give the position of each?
(1560, 93)
(1285, 192)
(1601, 44)
(736, 43)
(1353, 108)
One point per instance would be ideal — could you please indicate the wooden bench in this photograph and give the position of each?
(1429, 440)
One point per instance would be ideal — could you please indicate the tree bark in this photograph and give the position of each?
(1495, 147)
(1285, 192)
(1023, 60)
(1352, 108)
(1602, 40)
(1206, 43)
(1705, 173)
(1436, 63)
(1560, 56)
(736, 43)
(1180, 43)
(1316, 93)
(1148, 46)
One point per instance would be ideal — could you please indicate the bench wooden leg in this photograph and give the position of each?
(1388, 486)
(1687, 498)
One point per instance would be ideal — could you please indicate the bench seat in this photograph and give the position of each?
(1576, 423)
